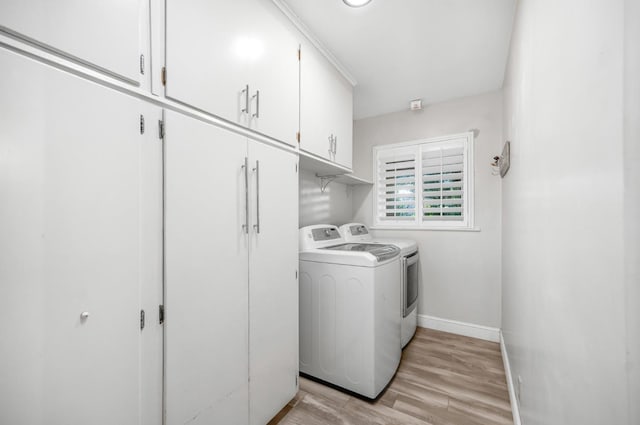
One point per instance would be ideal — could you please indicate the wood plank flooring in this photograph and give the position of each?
(443, 379)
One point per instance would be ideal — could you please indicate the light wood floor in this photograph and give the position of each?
(443, 379)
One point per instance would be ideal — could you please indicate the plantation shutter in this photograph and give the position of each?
(443, 180)
(396, 184)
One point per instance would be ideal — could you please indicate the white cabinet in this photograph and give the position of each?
(273, 283)
(231, 285)
(80, 236)
(237, 60)
(104, 34)
(326, 109)
(206, 302)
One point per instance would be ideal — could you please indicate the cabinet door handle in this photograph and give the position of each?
(257, 170)
(245, 226)
(333, 145)
(257, 98)
(245, 110)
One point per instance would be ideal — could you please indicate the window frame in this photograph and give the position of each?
(467, 223)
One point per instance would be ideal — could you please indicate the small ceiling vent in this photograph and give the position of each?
(416, 104)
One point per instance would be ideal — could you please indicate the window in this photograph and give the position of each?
(425, 184)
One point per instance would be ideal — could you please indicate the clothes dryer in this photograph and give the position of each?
(409, 279)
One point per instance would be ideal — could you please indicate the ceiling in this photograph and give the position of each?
(399, 50)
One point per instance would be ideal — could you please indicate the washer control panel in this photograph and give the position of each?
(325, 234)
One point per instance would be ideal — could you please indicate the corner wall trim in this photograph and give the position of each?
(459, 328)
(515, 409)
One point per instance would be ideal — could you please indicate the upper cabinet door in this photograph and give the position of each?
(315, 103)
(209, 44)
(342, 100)
(79, 245)
(104, 34)
(237, 60)
(206, 289)
(274, 73)
(326, 102)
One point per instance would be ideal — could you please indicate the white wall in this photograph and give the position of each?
(460, 270)
(333, 206)
(632, 201)
(562, 264)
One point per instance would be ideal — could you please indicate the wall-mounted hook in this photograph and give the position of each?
(495, 165)
(502, 162)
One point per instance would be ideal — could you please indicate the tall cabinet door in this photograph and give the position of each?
(206, 299)
(273, 284)
(79, 235)
(102, 33)
(151, 276)
(209, 45)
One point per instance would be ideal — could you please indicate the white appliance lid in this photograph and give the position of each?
(347, 258)
(324, 243)
(381, 252)
(358, 232)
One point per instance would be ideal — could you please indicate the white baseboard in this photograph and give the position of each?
(459, 328)
(515, 408)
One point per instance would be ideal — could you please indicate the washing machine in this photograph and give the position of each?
(409, 257)
(349, 311)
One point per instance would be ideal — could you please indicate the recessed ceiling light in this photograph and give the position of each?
(356, 3)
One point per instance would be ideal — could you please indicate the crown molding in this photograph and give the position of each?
(297, 22)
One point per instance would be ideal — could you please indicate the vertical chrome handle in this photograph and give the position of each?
(257, 170)
(257, 98)
(333, 145)
(403, 285)
(245, 110)
(245, 226)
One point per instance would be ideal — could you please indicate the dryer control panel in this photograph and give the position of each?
(358, 229)
(355, 232)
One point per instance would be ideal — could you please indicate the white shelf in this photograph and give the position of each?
(321, 166)
(350, 179)
(330, 171)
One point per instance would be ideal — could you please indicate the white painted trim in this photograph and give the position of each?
(413, 142)
(416, 146)
(459, 328)
(302, 27)
(455, 229)
(515, 408)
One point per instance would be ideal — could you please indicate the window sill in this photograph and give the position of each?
(437, 229)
